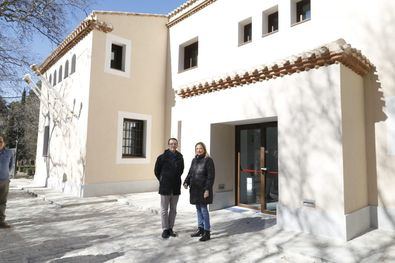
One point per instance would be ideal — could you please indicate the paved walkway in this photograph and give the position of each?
(126, 228)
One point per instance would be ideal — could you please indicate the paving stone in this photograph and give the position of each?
(129, 231)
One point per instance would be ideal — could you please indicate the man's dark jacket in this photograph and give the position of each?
(169, 167)
(200, 178)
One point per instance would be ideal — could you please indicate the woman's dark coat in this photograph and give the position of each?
(168, 170)
(201, 177)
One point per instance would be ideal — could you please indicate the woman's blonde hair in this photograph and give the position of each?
(204, 148)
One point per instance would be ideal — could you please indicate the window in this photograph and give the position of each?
(191, 55)
(270, 21)
(73, 62)
(60, 73)
(188, 55)
(245, 31)
(46, 141)
(301, 11)
(133, 138)
(66, 69)
(54, 78)
(117, 57)
(50, 79)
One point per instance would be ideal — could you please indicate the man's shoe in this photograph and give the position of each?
(4, 225)
(172, 233)
(199, 232)
(206, 236)
(166, 233)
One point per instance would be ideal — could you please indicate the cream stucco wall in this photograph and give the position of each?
(143, 92)
(354, 148)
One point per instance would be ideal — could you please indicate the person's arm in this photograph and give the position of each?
(187, 180)
(210, 177)
(11, 161)
(158, 167)
(182, 166)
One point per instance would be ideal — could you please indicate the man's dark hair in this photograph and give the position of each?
(172, 139)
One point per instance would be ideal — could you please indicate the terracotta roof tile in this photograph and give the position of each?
(335, 52)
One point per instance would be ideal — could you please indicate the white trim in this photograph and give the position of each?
(147, 138)
(358, 222)
(113, 39)
(101, 189)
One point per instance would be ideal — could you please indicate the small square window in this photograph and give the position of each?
(188, 55)
(301, 11)
(191, 55)
(118, 57)
(133, 138)
(272, 22)
(245, 31)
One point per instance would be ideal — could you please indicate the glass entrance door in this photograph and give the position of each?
(257, 173)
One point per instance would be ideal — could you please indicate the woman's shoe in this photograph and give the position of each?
(198, 232)
(206, 236)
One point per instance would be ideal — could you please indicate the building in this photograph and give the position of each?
(295, 100)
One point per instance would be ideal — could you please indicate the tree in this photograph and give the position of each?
(3, 115)
(19, 21)
(21, 125)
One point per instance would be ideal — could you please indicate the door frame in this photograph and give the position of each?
(262, 126)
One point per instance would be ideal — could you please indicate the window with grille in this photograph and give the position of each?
(133, 138)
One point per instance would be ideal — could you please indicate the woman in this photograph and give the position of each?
(200, 180)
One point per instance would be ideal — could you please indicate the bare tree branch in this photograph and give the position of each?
(19, 21)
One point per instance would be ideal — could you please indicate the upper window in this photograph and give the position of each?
(54, 78)
(191, 55)
(60, 73)
(188, 54)
(50, 79)
(46, 141)
(118, 57)
(270, 21)
(66, 69)
(133, 138)
(73, 62)
(301, 11)
(245, 31)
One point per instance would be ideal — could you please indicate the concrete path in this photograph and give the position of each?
(52, 227)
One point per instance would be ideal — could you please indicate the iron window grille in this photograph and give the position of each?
(133, 138)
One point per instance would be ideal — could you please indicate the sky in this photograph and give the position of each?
(43, 47)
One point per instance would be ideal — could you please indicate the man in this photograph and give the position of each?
(168, 170)
(5, 167)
